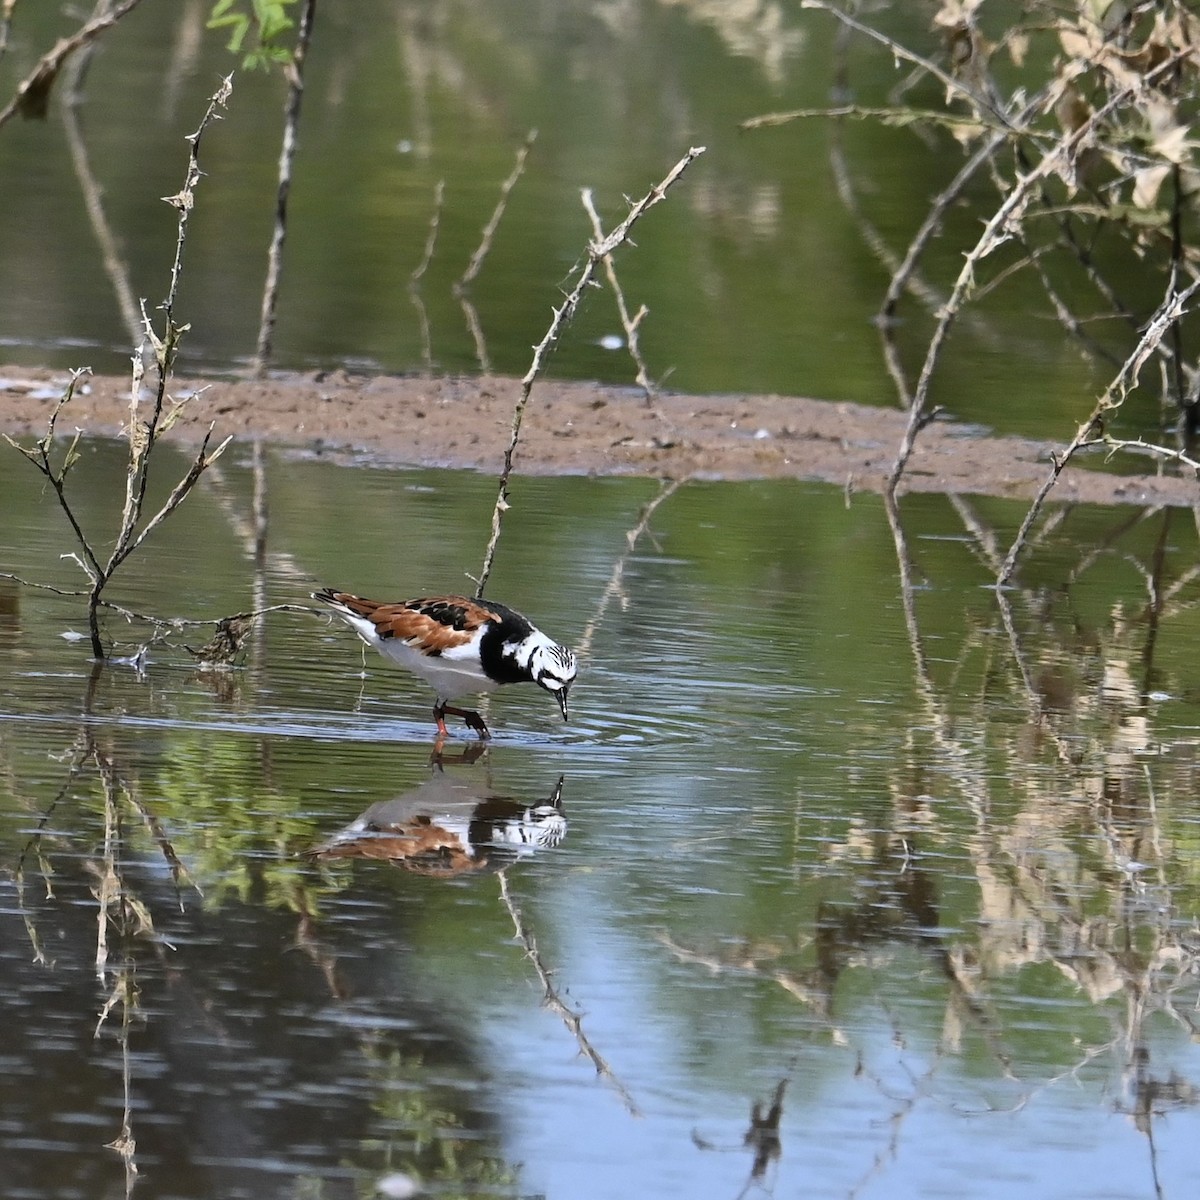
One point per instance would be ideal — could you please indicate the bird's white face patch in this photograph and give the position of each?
(552, 666)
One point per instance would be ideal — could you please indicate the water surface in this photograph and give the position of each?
(758, 272)
(935, 878)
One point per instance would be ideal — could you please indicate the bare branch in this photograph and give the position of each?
(628, 323)
(33, 93)
(596, 252)
(287, 155)
(951, 84)
(995, 232)
(180, 490)
(1156, 329)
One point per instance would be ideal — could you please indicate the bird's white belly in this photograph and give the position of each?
(448, 674)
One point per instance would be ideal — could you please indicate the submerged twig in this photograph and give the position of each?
(596, 252)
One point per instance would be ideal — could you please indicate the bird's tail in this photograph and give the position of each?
(345, 602)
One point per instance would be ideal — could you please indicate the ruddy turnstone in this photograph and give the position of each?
(459, 646)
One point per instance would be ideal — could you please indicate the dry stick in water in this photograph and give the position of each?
(33, 92)
(1018, 199)
(562, 316)
(143, 436)
(143, 433)
(287, 155)
(628, 323)
(167, 624)
(1159, 326)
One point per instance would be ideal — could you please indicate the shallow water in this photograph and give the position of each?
(759, 271)
(942, 888)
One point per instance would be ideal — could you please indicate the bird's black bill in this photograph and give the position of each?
(561, 697)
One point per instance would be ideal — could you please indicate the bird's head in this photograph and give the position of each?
(554, 668)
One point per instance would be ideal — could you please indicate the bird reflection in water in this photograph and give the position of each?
(450, 825)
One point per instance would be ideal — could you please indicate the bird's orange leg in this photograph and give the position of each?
(473, 719)
(439, 715)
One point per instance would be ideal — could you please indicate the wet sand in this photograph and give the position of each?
(580, 428)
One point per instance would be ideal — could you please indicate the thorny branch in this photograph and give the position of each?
(143, 433)
(898, 50)
(994, 233)
(1114, 396)
(630, 324)
(596, 252)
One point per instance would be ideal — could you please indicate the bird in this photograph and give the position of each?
(459, 646)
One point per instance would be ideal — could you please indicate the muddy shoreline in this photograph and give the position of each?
(580, 428)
